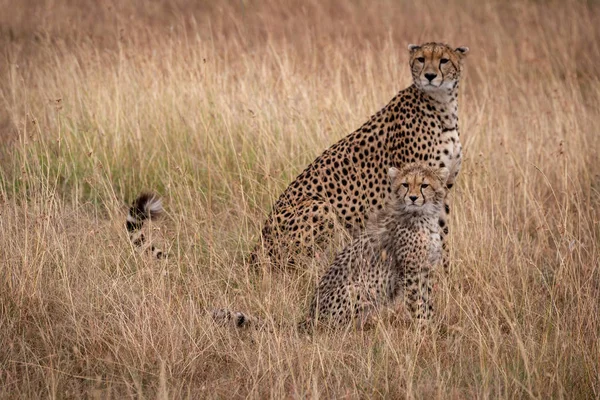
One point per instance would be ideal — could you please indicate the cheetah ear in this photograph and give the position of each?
(443, 174)
(414, 47)
(463, 50)
(393, 173)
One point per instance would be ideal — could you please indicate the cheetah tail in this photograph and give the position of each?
(146, 206)
(237, 319)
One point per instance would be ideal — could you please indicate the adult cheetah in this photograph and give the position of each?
(348, 181)
(392, 258)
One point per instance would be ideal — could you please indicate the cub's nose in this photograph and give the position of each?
(430, 77)
(413, 198)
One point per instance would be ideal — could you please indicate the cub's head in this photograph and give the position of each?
(436, 67)
(419, 187)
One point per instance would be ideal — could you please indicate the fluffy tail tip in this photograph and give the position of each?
(147, 205)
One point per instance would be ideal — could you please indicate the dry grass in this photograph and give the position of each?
(218, 107)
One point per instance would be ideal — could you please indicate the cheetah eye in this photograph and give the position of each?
(421, 59)
(405, 184)
(444, 61)
(424, 185)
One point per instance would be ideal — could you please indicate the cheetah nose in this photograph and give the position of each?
(413, 198)
(430, 77)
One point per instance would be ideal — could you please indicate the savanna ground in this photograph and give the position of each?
(217, 106)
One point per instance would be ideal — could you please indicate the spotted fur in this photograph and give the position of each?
(348, 181)
(393, 258)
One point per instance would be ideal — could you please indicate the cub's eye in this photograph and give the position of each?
(444, 61)
(405, 185)
(424, 185)
(421, 59)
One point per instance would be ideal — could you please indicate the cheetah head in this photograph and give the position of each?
(436, 67)
(418, 187)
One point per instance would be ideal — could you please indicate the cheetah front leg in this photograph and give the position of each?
(445, 215)
(443, 222)
(418, 292)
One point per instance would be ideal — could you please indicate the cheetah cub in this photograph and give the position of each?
(393, 258)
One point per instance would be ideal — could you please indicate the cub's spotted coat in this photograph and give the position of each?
(392, 258)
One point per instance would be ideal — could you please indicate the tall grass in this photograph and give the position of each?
(218, 106)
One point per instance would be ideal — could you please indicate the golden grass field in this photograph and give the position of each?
(217, 106)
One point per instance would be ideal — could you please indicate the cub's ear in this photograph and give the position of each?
(463, 50)
(414, 47)
(393, 173)
(443, 174)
